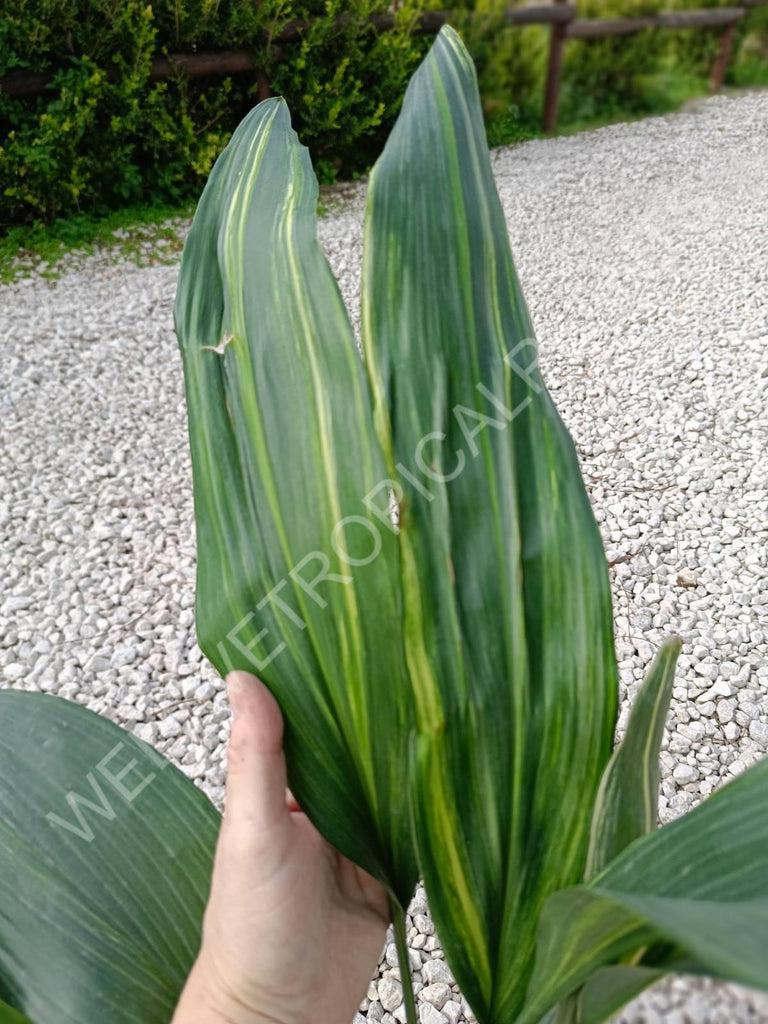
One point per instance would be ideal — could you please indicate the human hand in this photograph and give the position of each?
(292, 930)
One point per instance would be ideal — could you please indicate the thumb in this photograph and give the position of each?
(256, 775)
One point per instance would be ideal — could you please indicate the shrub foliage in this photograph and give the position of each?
(104, 135)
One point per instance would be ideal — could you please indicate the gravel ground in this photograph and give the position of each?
(643, 253)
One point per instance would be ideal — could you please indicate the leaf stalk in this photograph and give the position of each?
(401, 942)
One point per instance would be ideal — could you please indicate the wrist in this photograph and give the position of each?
(208, 999)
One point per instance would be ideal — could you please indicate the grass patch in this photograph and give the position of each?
(669, 89)
(141, 234)
(128, 233)
(750, 73)
(662, 92)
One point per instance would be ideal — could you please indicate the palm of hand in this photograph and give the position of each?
(292, 930)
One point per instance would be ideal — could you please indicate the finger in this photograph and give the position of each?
(256, 776)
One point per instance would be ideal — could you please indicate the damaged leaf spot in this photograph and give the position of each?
(398, 513)
(219, 349)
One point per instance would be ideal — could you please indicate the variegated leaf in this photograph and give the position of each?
(700, 884)
(507, 604)
(298, 577)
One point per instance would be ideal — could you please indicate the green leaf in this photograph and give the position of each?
(298, 577)
(10, 1016)
(700, 883)
(610, 988)
(628, 798)
(578, 932)
(729, 938)
(505, 586)
(105, 859)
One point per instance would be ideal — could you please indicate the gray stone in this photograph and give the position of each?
(124, 655)
(390, 993)
(452, 1011)
(437, 994)
(685, 773)
(423, 924)
(434, 971)
(758, 731)
(170, 727)
(98, 663)
(429, 1015)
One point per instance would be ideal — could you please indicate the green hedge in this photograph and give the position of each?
(103, 136)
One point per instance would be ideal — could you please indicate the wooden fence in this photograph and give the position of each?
(560, 15)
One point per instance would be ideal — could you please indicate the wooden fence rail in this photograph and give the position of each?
(560, 15)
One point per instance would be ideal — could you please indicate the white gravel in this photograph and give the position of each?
(643, 252)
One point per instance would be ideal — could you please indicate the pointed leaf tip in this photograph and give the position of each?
(626, 805)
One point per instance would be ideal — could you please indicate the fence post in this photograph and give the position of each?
(554, 67)
(720, 65)
(263, 91)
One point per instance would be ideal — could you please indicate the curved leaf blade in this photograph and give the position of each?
(627, 802)
(718, 851)
(298, 577)
(578, 932)
(610, 988)
(700, 882)
(504, 578)
(729, 938)
(106, 852)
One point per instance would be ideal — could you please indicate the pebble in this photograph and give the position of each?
(429, 1015)
(452, 1011)
(437, 994)
(170, 727)
(98, 663)
(435, 971)
(390, 993)
(124, 655)
(758, 731)
(685, 773)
